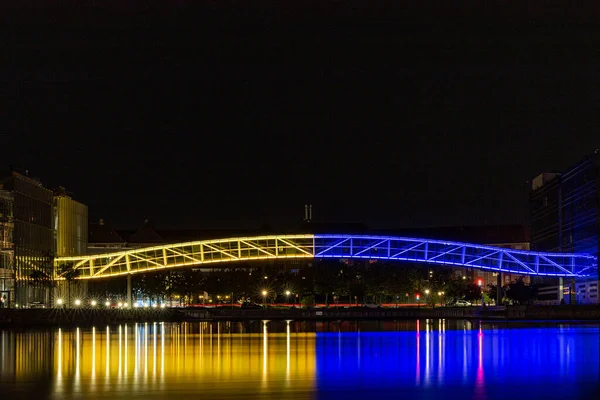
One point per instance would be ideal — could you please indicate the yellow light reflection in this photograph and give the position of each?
(265, 351)
(79, 356)
(287, 352)
(60, 346)
(126, 353)
(146, 350)
(94, 353)
(120, 351)
(107, 352)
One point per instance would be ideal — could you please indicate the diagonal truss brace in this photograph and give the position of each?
(220, 250)
(258, 248)
(549, 261)
(295, 247)
(107, 266)
(406, 250)
(370, 247)
(521, 263)
(333, 246)
(483, 256)
(445, 252)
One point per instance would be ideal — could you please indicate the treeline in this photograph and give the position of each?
(324, 281)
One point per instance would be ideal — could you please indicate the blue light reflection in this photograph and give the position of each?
(549, 363)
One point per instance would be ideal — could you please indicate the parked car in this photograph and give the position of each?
(462, 303)
(369, 304)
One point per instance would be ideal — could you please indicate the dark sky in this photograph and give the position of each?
(237, 113)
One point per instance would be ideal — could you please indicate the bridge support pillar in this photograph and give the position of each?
(499, 293)
(129, 299)
(561, 295)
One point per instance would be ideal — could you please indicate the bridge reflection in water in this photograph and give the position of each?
(279, 360)
(156, 359)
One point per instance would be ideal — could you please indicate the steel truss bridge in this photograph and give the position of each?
(211, 252)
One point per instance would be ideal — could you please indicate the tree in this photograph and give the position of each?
(326, 279)
(39, 279)
(472, 292)
(520, 292)
(70, 273)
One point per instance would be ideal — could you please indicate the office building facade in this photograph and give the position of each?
(70, 224)
(28, 237)
(565, 218)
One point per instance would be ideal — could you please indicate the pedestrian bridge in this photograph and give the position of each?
(392, 248)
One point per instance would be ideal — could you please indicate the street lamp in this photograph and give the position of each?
(93, 303)
(440, 296)
(77, 302)
(427, 297)
(264, 293)
(107, 303)
(287, 296)
(59, 301)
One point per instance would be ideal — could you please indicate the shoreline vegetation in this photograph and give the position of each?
(38, 318)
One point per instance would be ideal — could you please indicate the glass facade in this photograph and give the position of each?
(71, 225)
(32, 239)
(564, 211)
(6, 247)
(565, 217)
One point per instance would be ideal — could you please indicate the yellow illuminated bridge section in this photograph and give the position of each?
(390, 248)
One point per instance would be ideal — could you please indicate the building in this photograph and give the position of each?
(27, 231)
(565, 217)
(71, 238)
(104, 239)
(6, 247)
(70, 224)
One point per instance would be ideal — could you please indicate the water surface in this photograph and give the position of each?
(302, 360)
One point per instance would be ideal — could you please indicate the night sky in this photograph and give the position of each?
(233, 114)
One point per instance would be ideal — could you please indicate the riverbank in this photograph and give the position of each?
(93, 317)
(31, 318)
(590, 313)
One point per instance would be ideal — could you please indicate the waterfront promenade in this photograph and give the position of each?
(31, 318)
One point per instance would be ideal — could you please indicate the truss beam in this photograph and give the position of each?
(331, 246)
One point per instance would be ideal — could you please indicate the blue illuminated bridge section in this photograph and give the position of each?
(321, 246)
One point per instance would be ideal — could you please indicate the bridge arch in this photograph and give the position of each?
(426, 251)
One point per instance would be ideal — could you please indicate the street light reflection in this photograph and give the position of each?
(178, 355)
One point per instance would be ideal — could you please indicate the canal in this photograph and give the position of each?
(427, 359)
